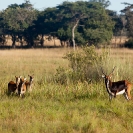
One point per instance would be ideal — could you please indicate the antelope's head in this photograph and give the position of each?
(107, 77)
(31, 78)
(22, 86)
(18, 80)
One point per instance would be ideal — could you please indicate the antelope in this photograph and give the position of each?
(117, 88)
(22, 87)
(12, 86)
(29, 84)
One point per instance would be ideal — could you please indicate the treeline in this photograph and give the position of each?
(77, 23)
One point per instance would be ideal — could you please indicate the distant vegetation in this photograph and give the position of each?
(75, 23)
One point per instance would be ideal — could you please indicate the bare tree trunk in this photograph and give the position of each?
(62, 43)
(13, 41)
(3, 40)
(73, 35)
(42, 40)
(21, 40)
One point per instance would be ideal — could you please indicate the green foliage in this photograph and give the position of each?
(105, 3)
(17, 19)
(127, 12)
(93, 24)
(98, 26)
(84, 66)
(81, 22)
(61, 76)
(64, 33)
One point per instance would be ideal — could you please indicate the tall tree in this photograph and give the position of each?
(17, 18)
(128, 13)
(88, 19)
(46, 24)
(71, 13)
(1, 29)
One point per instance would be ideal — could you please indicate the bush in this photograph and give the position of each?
(84, 65)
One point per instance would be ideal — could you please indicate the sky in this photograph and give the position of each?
(42, 4)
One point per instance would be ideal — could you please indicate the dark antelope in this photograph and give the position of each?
(13, 86)
(117, 88)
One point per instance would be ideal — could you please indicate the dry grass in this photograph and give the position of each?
(37, 61)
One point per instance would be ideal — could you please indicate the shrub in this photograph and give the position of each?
(84, 66)
(61, 75)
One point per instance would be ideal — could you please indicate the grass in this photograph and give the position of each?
(56, 108)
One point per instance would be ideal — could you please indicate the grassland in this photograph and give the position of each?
(56, 108)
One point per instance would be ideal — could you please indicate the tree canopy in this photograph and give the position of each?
(17, 18)
(128, 13)
(83, 22)
(77, 23)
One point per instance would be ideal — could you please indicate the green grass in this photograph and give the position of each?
(56, 108)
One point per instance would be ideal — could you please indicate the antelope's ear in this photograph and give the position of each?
(103, 76)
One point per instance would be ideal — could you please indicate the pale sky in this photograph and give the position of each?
(42, 4)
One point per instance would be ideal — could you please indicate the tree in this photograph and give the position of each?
(98, 26)
(87, 19)
(46, 24)
(17, 18)
(1, 29)
(71, 14)
(128, 13)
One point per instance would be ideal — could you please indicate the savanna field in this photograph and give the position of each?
(54, 107)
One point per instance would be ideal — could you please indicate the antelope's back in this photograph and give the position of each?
(11, 86)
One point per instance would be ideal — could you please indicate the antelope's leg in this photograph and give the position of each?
(126, 96)
(128, 91)
(110, 97)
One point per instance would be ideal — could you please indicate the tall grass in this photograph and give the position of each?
(122, 59)
(81, 107)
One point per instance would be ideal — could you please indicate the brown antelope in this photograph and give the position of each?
(22, 87)
(29, 83)
(12, 86)
(117, 88)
